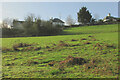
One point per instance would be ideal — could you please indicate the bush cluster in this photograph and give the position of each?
(32, 27)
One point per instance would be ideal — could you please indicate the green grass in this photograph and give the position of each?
(35, 63)
(92, 29)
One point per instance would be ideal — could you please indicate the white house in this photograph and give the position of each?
(18, 24)
(109, 18)
(57, 21)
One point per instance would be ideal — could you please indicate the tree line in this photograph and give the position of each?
(32, 26)
(84, 17)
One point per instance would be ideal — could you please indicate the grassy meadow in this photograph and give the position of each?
(79, 52)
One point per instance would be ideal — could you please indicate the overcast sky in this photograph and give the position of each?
(46, 10)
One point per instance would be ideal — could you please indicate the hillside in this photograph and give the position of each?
(79, 52)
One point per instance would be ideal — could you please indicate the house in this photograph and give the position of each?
(57, 21)
(18, 24)
(109, 18)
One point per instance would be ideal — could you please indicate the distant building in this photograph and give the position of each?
(109, 18)
(57, 21)
(18, 24)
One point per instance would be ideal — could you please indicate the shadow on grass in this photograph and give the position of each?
(71, 33)
(76, 33)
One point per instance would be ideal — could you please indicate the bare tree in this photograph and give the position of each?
(6, 23)
(30, 17)
(70, 20)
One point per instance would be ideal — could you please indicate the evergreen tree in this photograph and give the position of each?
(84, 16)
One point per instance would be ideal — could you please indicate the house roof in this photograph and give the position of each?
(109, 17)
(57, 20)
(19, 21)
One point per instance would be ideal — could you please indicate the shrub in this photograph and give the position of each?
(32, 27)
